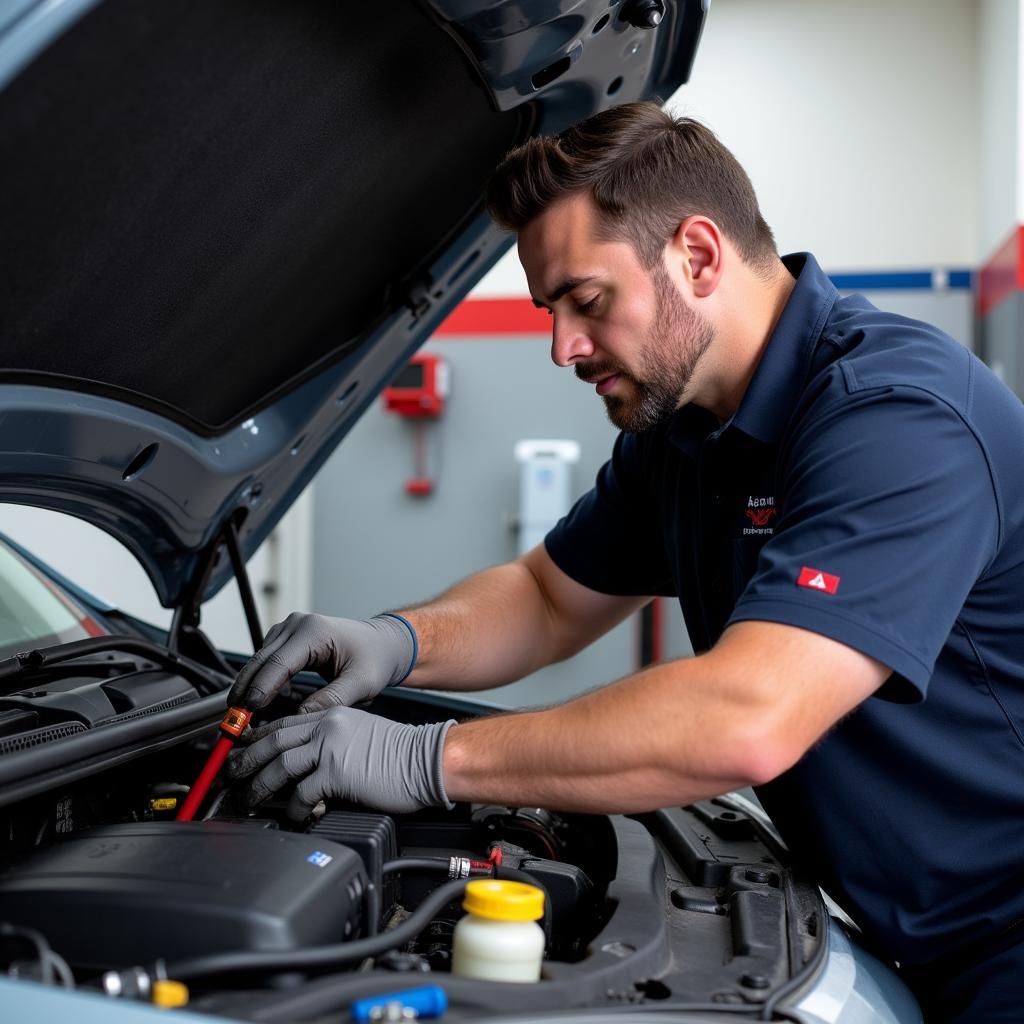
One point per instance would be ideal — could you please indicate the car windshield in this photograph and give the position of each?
(33, 611)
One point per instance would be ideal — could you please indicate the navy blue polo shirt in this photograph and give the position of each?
(869, 488)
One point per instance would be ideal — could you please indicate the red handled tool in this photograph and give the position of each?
(232, 727)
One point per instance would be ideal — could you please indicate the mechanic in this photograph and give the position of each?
(836, 496)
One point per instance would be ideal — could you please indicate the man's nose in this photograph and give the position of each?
(569, 342)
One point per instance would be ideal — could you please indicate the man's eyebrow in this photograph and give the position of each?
(566, 286)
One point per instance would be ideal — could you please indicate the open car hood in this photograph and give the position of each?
(228, 225)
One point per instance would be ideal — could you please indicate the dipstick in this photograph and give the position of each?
(232, 727)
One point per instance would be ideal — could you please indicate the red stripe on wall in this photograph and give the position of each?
(1003, 274)
(999, 278)
(495, 316)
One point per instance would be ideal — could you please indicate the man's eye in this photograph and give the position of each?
(588, 307)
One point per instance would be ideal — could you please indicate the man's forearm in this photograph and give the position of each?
(660, 737)
(490, 629)
(672, 734)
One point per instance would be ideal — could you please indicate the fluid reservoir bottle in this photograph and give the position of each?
(499, 938)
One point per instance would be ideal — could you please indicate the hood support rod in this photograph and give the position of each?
(252, 615)
(187, 613)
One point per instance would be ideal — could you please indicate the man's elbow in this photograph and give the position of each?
(759, 753)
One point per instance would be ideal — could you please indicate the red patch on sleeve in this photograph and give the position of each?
(815, 579)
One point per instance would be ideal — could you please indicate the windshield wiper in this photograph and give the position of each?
(28, 663)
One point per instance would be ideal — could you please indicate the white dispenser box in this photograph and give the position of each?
(545, 486)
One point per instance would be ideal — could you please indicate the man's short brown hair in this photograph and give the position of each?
(645, 171)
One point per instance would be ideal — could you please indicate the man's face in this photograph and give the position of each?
(622, 327)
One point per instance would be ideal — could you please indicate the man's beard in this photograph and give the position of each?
(678, 339)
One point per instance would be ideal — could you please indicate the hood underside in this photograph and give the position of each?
(227, 225)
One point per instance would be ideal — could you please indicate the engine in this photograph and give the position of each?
(147, 891)
(267, 920)
(131, 894)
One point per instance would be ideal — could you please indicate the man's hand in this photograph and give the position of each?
(347, 754)
(358, 659)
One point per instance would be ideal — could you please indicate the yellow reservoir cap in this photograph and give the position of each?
(504, 901)
(170, 994)
(164, 803)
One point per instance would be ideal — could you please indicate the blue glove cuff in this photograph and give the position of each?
(415, 644)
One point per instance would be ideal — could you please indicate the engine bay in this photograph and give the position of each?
(264, 919)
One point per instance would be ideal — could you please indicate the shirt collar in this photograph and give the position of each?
(781, 374)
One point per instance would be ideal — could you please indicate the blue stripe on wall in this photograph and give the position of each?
(903, 280)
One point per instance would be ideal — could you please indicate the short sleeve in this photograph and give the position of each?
(611, 540)
(888, 518)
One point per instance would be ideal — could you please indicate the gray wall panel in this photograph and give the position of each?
(1000, 338)
(376, 547)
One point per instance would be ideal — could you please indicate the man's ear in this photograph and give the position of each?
(696, 249)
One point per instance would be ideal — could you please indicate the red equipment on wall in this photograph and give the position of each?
(420, 390)
(419, 393)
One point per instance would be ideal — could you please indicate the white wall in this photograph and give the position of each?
(1000, 165)
(1018, 106)
(856, 121)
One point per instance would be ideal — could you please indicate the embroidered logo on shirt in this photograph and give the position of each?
(760, 516)
(815, 579)
(760, 512)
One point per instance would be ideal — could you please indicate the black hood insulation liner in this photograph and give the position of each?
(204, 203)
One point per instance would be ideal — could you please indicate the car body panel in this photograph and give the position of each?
(32, 1003)
(27, 27)
(853, 989)
(856, 988)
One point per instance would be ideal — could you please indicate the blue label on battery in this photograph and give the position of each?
(321, 860)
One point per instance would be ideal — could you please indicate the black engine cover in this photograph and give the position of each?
(128, 894)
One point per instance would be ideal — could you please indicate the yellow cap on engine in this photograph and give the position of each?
(164, 803)
(503, 901)
(170, 994)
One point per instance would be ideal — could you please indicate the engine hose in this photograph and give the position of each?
(49, 961)
(497, 871)
(373, 909)
(390, 867)
(417, 864)
(314, 957)
(342, 953)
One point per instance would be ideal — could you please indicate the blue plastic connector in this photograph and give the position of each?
(428, 1001)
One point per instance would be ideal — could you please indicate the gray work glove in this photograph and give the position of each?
(356, 658)
(348, 754)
